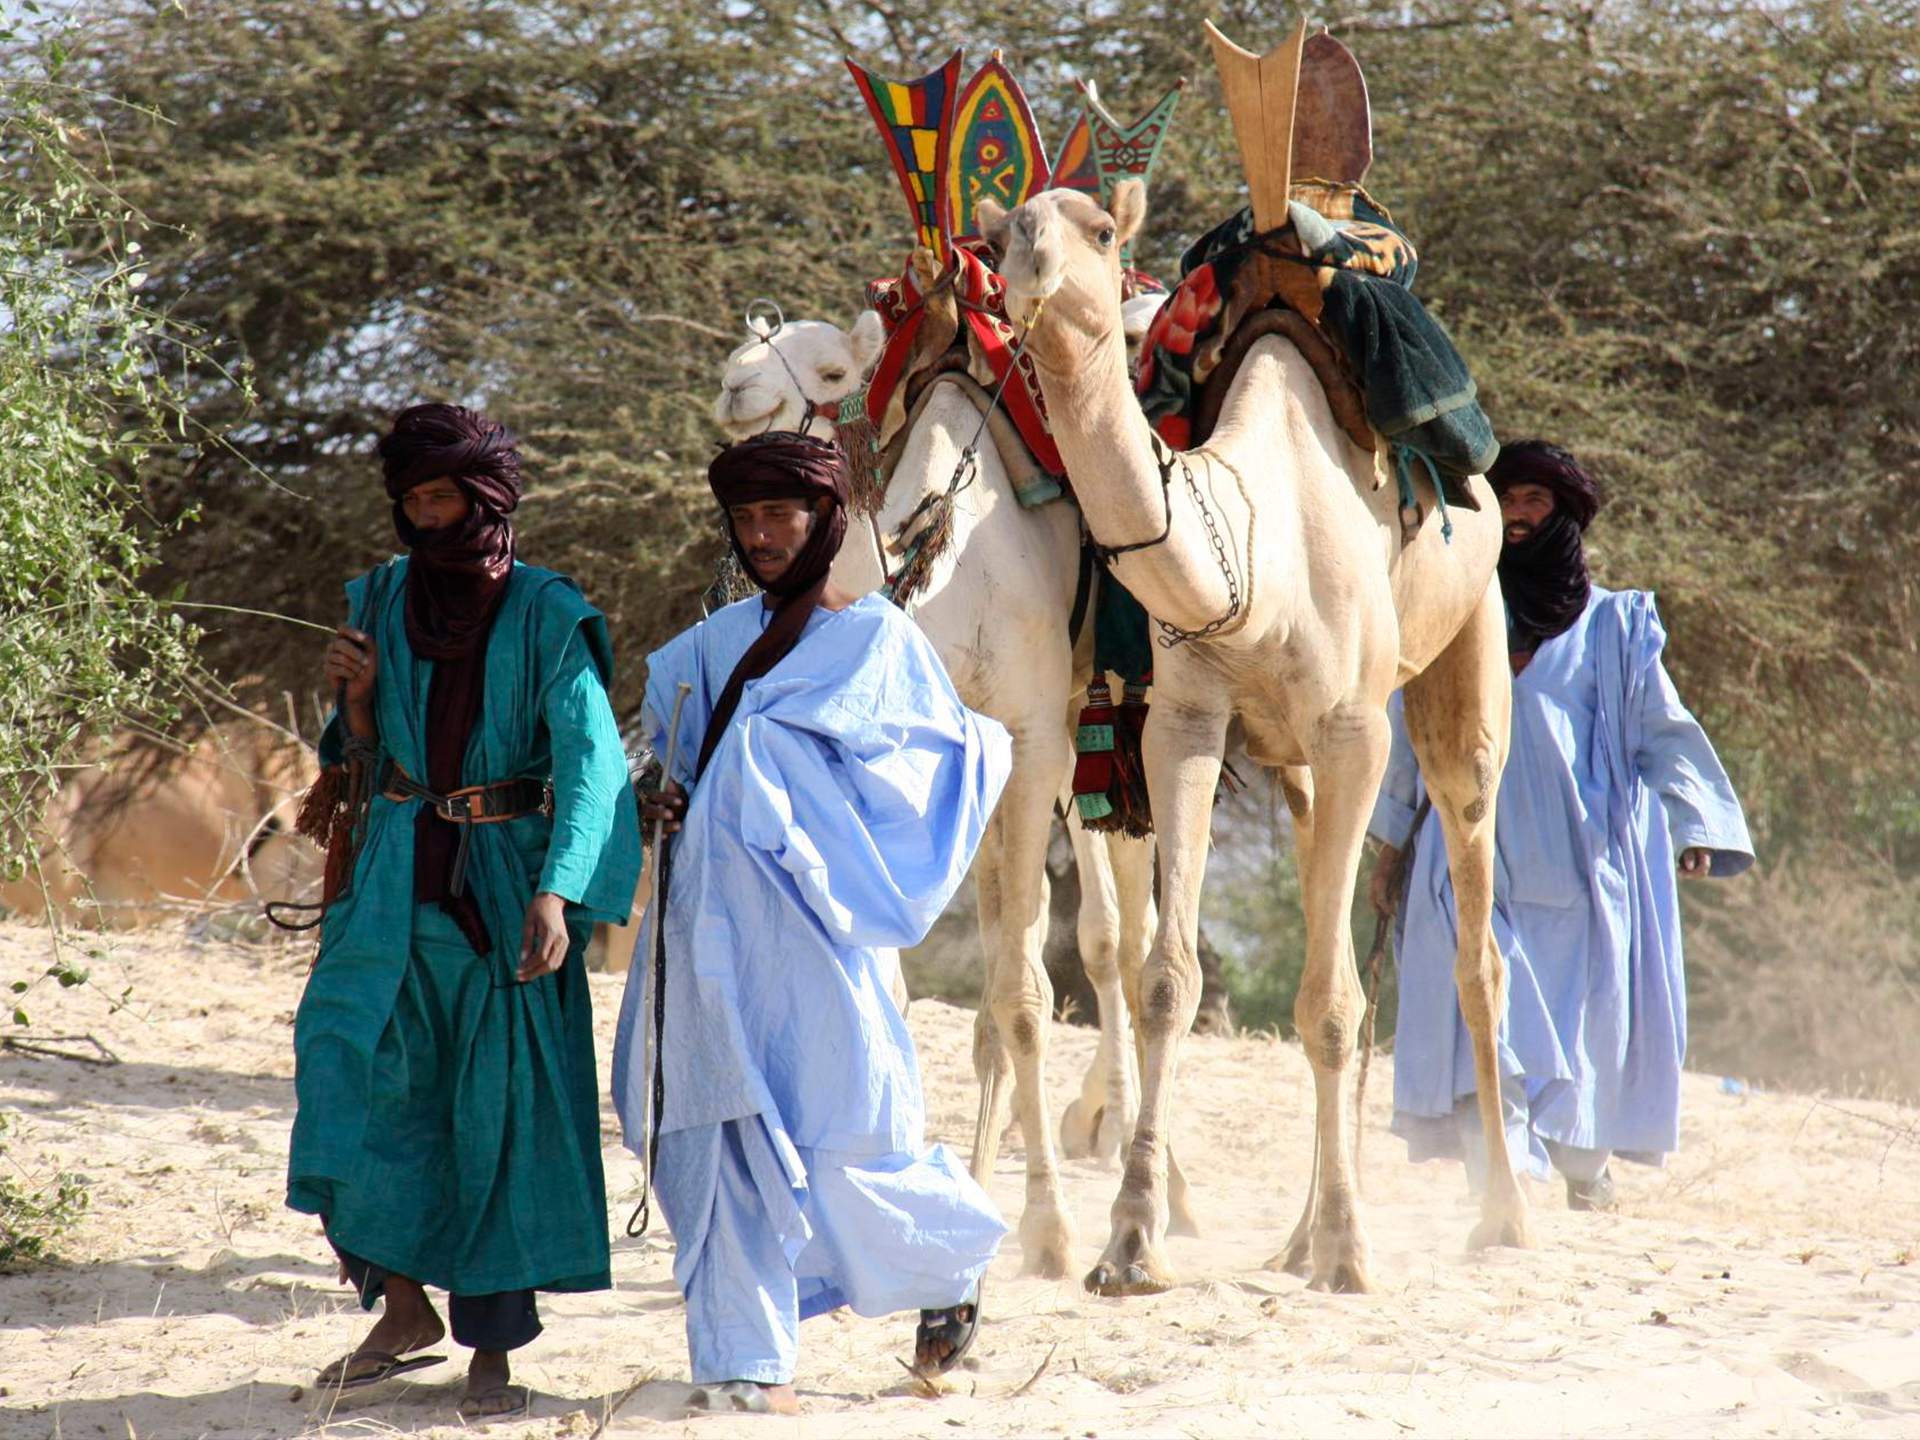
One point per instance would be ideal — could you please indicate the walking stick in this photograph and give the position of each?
(653, 1002)
(1397, 890)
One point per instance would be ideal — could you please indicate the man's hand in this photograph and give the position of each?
(352, 661)
(1696, 863)
(668, 805)
(1380, 887)
(543, 939)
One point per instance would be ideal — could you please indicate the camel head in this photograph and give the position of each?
(1060, 258)
(788, 373)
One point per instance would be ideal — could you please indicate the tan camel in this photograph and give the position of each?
(149, 832)
(1284, 547)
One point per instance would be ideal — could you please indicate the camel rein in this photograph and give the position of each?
(935, 509)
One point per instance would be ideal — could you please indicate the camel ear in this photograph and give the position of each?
(991, 216)
(1129, 208)
(867, 338)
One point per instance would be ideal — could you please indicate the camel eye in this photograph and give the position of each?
(833, 376)
(1106, 236)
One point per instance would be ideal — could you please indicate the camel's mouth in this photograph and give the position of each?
(731, 409)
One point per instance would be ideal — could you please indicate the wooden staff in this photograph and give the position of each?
(652, 1002)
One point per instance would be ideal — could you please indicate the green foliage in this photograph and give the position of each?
(33, 1217)
(84, 404)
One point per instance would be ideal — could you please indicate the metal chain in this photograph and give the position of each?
(1172, 635)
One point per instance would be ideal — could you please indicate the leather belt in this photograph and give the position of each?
(471, 805)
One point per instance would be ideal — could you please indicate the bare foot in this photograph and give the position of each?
(488, 1395)
(747, 1395)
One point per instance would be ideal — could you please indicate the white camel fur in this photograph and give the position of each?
(1336, 610)
(996, 609)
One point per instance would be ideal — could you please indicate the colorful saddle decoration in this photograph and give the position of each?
(913, 118)
(953, 146)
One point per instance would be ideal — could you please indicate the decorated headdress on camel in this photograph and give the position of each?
(953, 145)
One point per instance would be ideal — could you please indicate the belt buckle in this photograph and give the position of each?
(459, 809)
(546, 797)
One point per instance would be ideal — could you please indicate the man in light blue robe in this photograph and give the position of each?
(1609, 779)
(831, 815)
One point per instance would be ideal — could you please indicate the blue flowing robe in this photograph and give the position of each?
(448, 1116)
(834, 822)
(1609, 778)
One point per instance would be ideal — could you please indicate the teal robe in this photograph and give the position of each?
(448, 1121)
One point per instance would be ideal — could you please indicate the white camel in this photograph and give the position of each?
(996, 608)
(1284, 545)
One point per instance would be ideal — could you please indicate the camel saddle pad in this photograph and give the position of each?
(1334, 281)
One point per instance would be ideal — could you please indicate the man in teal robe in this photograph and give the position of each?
(447, 1130)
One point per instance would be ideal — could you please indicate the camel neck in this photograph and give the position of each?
(1108, 449)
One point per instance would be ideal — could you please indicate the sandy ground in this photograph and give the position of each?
(1767, 1283)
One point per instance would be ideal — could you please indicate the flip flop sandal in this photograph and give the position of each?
(948, 1326)
(475, 1407)
(389, 1365)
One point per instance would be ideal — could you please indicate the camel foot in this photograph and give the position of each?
(1514, 1230)
(1296, 1259)
(1046, 1241)
(1079, 1130)
(1116, 1281)
(1342, 1269)
(1132, 1265)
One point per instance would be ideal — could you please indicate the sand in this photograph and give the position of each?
(1768, 1282)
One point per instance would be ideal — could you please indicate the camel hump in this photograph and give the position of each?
(1332, 118)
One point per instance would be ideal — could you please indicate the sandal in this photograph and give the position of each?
(750, 1396)
(958, 1325)
(1595, 1194)
(386, 1366)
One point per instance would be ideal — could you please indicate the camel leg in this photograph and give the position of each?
(1296, 783)
(1459, 716)
(992, 1065)
(1348, 752)
(1021, 995)
(1099, 1119)
(1183, 746)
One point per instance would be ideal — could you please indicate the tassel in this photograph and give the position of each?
(859, 440)
(1093, 770)
(932, 541)
(323, 805)
(1132, 810)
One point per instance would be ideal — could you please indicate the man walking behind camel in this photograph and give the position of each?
(1610, 777)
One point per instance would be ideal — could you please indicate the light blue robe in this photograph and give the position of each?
(1610, 777)
(834, 822)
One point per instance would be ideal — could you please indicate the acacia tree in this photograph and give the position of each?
(1677, 238)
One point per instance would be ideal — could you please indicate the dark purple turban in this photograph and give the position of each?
(456, 578)
(1544, 576)
(779, 465)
